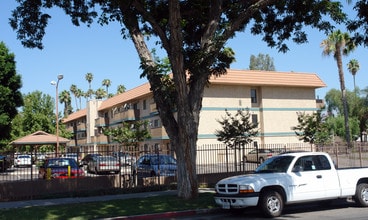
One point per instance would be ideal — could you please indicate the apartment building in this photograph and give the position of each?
(273, 99)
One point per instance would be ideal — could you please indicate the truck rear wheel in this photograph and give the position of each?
(271, 203)
(361, 194)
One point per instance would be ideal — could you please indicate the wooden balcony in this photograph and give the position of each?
(158, 132)
(153, 107)
(101, 139)
(81, 141)
(81, 127)
(101, 122)
(127, 115)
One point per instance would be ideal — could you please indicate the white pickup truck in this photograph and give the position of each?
(292, 178)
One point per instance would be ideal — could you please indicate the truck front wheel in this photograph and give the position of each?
(361, 194)
(271, 203)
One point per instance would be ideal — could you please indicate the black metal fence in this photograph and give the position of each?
(212, 159)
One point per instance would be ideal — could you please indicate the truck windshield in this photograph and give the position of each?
(277, 164)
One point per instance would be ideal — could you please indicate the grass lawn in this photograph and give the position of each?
(114, 208)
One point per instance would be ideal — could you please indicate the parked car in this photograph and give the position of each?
(88, 158)
(125, 158)
(60, 168)
(23, 160)
(72, 155)
(5, 163)
(292, 178)
(103, 164)
(155, 165)
(263, 154)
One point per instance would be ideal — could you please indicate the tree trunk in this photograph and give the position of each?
(183, 128)
(343, 94)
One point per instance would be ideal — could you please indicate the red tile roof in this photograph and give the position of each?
(136, 93)
(269, 78)
(233, 77)
(75, 115)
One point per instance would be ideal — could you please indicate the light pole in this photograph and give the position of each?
(59, 77)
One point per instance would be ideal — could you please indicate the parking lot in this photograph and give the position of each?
(31, 173)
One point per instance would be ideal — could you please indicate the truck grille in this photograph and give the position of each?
(227, 188)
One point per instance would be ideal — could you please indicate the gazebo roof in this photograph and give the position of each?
(39, 138)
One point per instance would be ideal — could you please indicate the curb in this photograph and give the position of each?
(166, 215)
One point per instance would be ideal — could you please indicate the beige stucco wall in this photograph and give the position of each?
(276, 112)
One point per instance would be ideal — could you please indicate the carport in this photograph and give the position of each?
(39, 138)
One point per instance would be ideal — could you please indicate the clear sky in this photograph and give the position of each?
(75, 51)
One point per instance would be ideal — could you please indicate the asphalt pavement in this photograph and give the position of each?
(76, 200)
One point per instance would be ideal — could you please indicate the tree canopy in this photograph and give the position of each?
(194, 35)
(10, 95)
(237, 128)
(261, 62)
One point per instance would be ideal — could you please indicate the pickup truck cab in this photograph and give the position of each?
(292, 178)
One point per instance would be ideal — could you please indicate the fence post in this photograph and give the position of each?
(48, 173)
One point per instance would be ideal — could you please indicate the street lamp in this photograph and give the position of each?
(59, 77)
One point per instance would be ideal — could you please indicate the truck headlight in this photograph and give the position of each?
(245, 189)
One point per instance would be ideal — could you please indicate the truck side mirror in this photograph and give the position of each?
(297, 168)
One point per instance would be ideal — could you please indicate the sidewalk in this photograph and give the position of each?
(63, 201)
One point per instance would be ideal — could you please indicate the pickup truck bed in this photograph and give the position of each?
(292, 178)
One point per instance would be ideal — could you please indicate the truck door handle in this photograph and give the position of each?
(319, 176)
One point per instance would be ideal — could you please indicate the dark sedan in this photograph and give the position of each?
(60, 168)
(88, 158)
(155, 165)
(5, 163)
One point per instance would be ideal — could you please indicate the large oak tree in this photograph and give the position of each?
(10, 95)
(194, 35)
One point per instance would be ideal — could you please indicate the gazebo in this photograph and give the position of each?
(39, 138)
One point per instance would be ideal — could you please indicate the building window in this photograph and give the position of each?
(254, 119)
(144, 104)
(253, 95)
(155, 123)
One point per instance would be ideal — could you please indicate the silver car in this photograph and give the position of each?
(125, 158)
(103, 164)
(260, 156)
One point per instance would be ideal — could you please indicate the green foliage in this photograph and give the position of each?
(237, 129)
(65, 98)
(337, 125)
(129, 133)
(37, 114)
(312, 128)
(10, 96)
(261, 62)
(358, 109)
(359, 24)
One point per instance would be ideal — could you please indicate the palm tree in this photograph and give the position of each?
(74, 90)
(79, 94)
(353, 67)
(65, 98)
(339, 44)
(121, 89)
(88, 94)
(107, 84)
(100, 93)
(89, 78)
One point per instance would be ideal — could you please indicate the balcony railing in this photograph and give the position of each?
(101, 121)
(158, 132)
(101, 139)
(127, 115)
(81, 126)
(153, 107)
